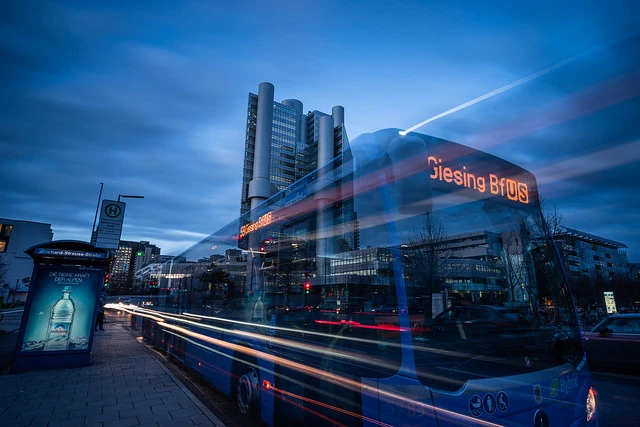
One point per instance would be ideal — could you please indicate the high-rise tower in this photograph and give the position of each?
(283, 144)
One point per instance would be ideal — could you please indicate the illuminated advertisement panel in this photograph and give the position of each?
(609, 302)
(61, 313)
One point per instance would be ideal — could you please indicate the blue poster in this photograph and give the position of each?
(61, 314)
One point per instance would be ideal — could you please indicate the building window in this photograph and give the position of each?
(5, 233)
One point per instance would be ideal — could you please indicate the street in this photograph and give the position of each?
(618, 395)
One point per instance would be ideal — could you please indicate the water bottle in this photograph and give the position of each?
(60, 322)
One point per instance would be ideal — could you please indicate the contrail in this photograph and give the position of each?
(490, 94)
(518, 82)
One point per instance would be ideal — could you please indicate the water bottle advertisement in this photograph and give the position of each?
(61, 313)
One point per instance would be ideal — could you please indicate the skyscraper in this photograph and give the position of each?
(283, 144)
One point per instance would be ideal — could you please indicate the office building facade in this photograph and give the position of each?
(127, 260)
(16, 266)
(594, 265)
(283, 144)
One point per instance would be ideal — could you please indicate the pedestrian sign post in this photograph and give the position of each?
(110, 225)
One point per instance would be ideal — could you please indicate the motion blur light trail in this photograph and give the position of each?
(218, 344)
(569, 107)
(362, 359)
(270, 387)
(319, 403)
(519, 82)
(490, 94)
(332, 378)
(606, 159)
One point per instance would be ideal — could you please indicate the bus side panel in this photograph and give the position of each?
(289, 405)
(207, 360)
(558, 393)
(337, 404)
(397, 401)
(267, 403)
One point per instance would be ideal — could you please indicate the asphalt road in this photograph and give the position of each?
(617, 399)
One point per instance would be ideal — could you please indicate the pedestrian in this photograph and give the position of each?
(100, 319)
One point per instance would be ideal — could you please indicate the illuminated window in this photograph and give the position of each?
(5, 233)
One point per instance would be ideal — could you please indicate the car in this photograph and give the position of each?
(385, 309)
(614, 343)
(479, 328)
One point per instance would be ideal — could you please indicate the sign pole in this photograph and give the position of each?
(95, 218)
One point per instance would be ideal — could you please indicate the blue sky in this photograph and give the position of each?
(150, 99)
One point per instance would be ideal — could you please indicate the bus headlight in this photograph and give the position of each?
(591, 404)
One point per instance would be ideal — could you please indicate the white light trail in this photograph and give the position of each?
(521, 81)
(490, 94)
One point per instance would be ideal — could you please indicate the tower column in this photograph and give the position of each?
(260, 188)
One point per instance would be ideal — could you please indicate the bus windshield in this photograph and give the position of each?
(406, 253)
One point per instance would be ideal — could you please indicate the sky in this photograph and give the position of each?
(150, 98)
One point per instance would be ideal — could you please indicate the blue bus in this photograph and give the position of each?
(410, 281)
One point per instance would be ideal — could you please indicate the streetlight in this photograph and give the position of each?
(129, 197)
(122, 196)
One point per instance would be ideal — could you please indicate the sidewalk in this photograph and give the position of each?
(125, 385)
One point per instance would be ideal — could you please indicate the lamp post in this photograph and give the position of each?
(95, 218)
(123, 196)
(129, 197)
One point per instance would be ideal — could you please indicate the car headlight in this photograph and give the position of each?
(591, 404)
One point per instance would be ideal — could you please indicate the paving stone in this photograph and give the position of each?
(124, 386)
(123, 422)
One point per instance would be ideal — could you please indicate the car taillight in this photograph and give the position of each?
(591, 404)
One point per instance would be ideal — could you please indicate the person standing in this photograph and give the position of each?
(100, 319)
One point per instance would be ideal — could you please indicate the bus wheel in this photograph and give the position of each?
(248, 392)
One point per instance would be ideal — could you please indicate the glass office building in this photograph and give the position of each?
(283, 144)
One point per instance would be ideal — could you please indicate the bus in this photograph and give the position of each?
(408, 282)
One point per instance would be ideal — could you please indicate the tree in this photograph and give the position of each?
(427, 258)
(550, 223)
(214, 276)
(515, 271)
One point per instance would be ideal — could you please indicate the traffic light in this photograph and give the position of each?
(262, 251)
(107, 277)
(307, 287)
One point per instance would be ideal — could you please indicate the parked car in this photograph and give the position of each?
(479, 328)
(614, 343)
